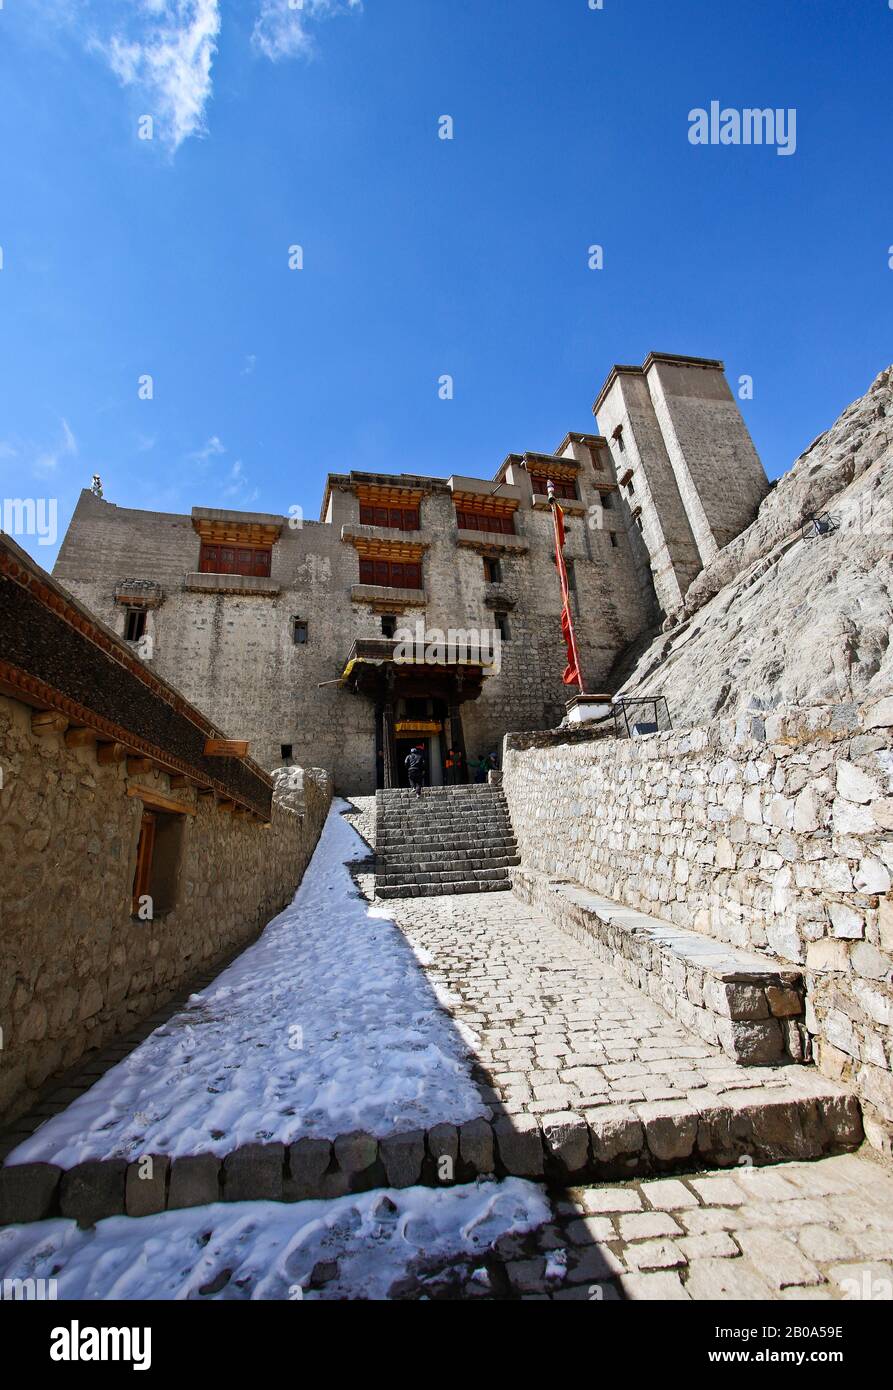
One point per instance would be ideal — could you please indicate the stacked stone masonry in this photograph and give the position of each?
(76, 969)
(770, 833)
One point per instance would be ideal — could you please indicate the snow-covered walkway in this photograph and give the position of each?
(325, 1025)
(354, 1247)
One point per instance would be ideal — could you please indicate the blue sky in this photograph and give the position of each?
(318, 126)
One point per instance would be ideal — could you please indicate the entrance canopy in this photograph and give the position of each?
(376, 665)
(418, 689)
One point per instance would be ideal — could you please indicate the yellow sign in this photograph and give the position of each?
(418, 726)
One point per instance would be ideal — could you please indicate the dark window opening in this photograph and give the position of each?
(286, 751)
(500, 523)
(299, 632)
(618, 436)
(158, 856)
(607, 501)
(571, 576)
(629, 487)
(391, 574)
(639, 523)
(502, 625)
(135, 624)
(492, 570)
(388, 625)
(613, 539)
(397, 518)
(235, 559)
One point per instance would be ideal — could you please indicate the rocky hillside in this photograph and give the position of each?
(777, 618)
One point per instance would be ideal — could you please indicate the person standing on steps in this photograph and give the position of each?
(415, 767)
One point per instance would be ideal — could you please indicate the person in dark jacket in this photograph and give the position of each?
(415, 767)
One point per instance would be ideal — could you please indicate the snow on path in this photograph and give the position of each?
(325, 1025)
(267, 1250)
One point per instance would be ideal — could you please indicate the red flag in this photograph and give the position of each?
(572, 670)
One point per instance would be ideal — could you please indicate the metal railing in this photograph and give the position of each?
(641, 714)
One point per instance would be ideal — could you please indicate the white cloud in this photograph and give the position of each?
(166, 53)
(281, 29)
(250, 364)
(238, 483)
(211, 449)
(47, 460)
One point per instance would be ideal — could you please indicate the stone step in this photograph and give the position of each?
(804, 1119)
(440, 890)
(422, 819)
(479, 790)
(428, 834)
(748, 1004)
(445, 863)
(444, 873)
(417, 829)
(442, 880)
(449, 840)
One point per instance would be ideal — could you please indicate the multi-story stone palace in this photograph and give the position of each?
(289, 635)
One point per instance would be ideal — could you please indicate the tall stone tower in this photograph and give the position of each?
(684, 460)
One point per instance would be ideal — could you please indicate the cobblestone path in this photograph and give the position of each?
(554, 1028)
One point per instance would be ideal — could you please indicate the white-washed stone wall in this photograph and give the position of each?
(75, 969)
(772, 832)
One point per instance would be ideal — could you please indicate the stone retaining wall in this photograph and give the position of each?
(75, 968)
(771, 832)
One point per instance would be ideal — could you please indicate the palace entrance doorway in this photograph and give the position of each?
(416, 703)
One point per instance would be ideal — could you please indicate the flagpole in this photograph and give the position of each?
(562, 574)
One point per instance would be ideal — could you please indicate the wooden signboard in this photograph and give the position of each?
(226, 748)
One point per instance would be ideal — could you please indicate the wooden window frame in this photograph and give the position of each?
(144, 851)
(392, 518)
(391, 574)
(218, 557)
(492, 523)
(565, 488)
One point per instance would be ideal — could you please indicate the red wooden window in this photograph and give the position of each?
(564, 487)
(503, 524)
(235, 559)
(397, 518)
(391, 574)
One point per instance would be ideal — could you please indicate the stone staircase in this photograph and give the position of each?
(451, 840)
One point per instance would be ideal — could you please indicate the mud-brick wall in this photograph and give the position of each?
(75, 969)
(770, 832)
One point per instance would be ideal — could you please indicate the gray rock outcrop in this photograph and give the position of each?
(779, 617)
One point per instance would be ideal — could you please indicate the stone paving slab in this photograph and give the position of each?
(800, 1231)
(819, 1230)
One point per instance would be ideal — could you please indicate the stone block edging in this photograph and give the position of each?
(755, 1015)
(611, 1142)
